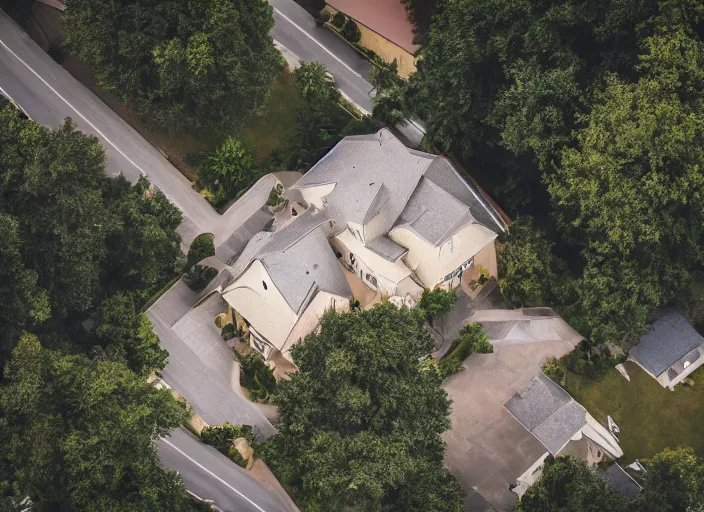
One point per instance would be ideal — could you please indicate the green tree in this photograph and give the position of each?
(420, 13)
(674, 482)
(631, 193)
(80, 435)
(127, 335)
(52, 184)
(569, 485)
(144, 249)
(319, 117)
(360, 422)
(230, 170)
(390, 105)
(202, 247)
(21, 301)
(437, 302)
(529, 271)
(178, 64)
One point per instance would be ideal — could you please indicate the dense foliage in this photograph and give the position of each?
(437, 302)
(360, 422)
(79, 434)
(228, 172)
(420, 13)
(587, 115)
(673, 482)
(569, 485)
(80, 254)
(178, 64)
(322, 118)
(473, 340)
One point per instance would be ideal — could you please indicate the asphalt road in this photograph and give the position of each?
(210, 475)
(295, 29)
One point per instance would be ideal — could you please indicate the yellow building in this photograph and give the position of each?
(385, 29)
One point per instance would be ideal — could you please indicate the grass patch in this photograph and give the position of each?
(274, 128)
(651, 417)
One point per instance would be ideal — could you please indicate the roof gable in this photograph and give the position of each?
(667, 340)
(548, 412)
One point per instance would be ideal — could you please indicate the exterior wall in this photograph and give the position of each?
(315, 195)
(409, 287)
(601, 436)
(667, 383)
(431, 264)
(487, 259)
(386, 273)
(266, 310)
(378, 225)
(310, 318)
(385, 49)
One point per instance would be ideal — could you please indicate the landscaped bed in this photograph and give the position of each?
(650, 417)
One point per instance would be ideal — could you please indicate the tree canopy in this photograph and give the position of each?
(78, 420)
(79, 434)
(360, 422)
(175, 63)
(586, 115)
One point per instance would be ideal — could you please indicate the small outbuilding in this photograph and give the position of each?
(670, 350)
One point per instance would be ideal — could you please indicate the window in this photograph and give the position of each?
(264, 285)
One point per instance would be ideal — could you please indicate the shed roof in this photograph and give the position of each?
(667, 340)
(549, 412)
(621, 482)
(387, 18)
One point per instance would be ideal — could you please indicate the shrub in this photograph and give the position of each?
(436, 303)
(472, 339)
(199, 276)
(257, 377)
(228, 332)
(236, 457)
(221, 437)
(339, 20)
(322, 19)
(275, 197)
(555, 370)
(203, 246)
(351, 32)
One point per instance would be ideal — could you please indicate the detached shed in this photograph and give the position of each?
(670, 350)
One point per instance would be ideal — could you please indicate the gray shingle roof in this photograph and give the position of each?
(669, 339)
(298, 258)
(369, 171)
(386, 248)
(443, 174)
(619, 481)
(434, 214)
(546, 410)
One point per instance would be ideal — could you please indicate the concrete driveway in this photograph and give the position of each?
(201, 367)
(487, 449)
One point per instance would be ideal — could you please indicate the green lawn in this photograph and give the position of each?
(274, 128)
(651, 417)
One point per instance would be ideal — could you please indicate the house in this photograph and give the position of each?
(385, 29)
(400, 220)
(670, 350)
(561, 424)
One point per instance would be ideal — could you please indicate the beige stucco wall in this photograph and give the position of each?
(388, 274)
(487, 259)
(384, 48)
(315, 195)
(266, 310)
(310, 318)
(431, 264)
